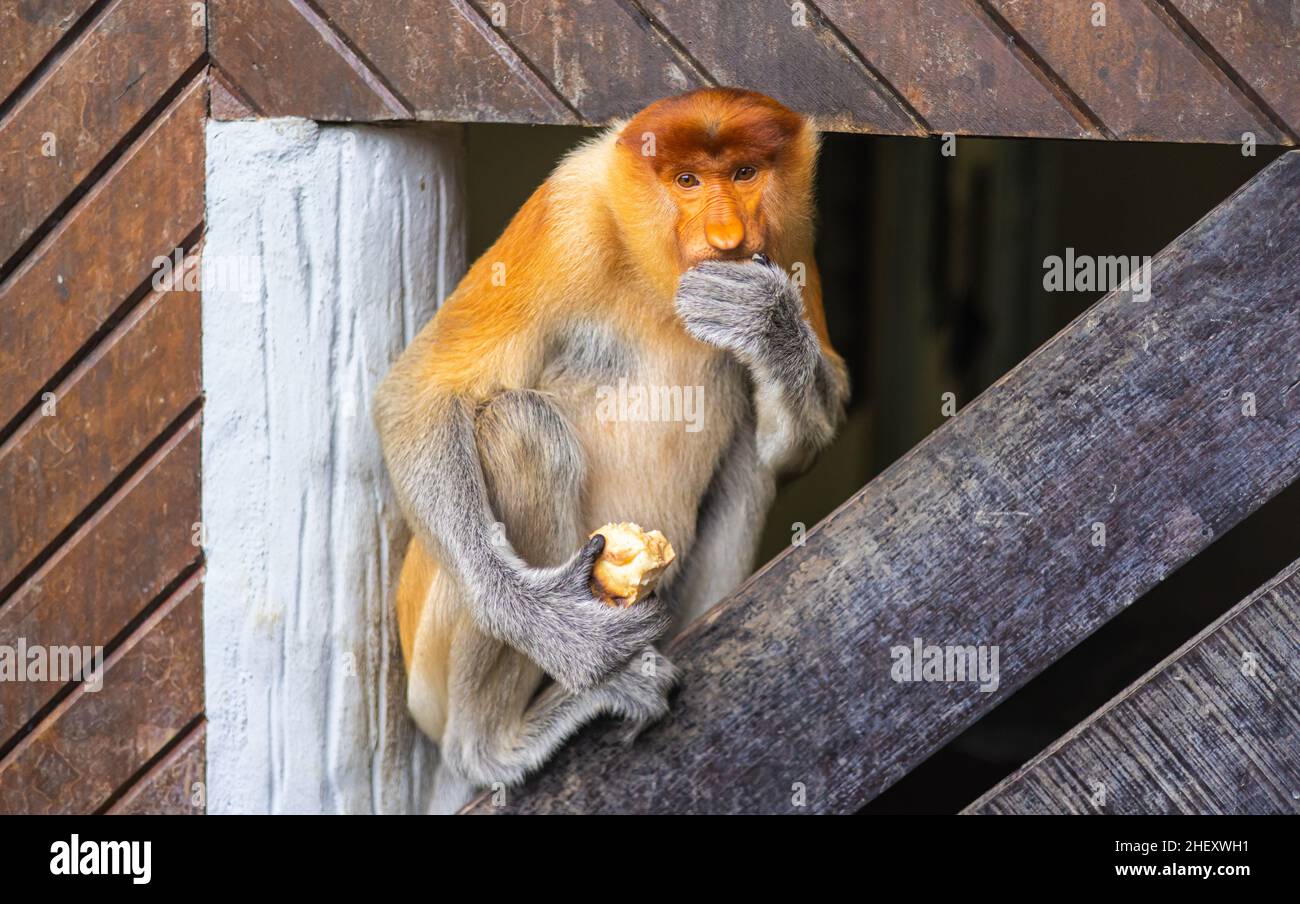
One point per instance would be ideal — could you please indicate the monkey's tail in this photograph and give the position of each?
(450, 790)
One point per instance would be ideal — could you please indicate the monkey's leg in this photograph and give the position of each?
(498, 727)
(533, 475)
(496, 734)
(431, 449)
(534, 472)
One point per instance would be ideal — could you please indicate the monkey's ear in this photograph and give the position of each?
(630, 142)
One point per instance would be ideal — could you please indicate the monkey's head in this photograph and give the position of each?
(716, 173)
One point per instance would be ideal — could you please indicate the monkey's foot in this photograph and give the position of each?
(639, 693)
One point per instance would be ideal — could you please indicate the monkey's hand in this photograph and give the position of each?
(751, 309)
(573, 636)
(755, 311)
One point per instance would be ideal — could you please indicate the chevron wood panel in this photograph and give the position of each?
(155, 512)
(262, 46)
(1260, 46)
(798, 59)
(94, 742)
(102, 104)
(955, 69)
(149, 205)
(572, 44)
(175, 785)
(106, 415)
(29, 31)
(106, 85)
(1168, 70)
(1138, 72)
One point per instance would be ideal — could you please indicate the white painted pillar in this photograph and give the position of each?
(327, 248)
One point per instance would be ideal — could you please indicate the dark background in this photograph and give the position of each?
(932, 269)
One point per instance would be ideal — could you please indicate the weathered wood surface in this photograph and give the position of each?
(956, 70)
(1132, 418)
(28, 31)
(147, 205)
(906, 67)
(109, 80)
(447, 56)
(759, 46)
(1260, 47)
(115, 565)
(261, 46)
(175, 786)
(1213, 729)
(93, 743)
(1137, 73)
(136, 383)
(574, 46)
(101, 111)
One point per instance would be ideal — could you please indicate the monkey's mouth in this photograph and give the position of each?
(736, 254)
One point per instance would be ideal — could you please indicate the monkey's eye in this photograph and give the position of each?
(687, 180)
(745, 173)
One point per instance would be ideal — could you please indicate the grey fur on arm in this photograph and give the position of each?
(548, 614)
(755, 311)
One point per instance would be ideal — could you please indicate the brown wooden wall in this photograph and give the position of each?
(1164, 70)
(101, 171)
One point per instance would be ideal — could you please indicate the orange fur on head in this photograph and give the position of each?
(612, 228)
(732, 168)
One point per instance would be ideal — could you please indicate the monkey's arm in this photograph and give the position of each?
(754, 311)
(548, 614)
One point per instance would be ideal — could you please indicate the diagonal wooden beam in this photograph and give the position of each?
(1151, 426)
(1215, 728)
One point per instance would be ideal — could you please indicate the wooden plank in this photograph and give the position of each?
(94, 742)
(107, 412)
(601, 55)
(1260, 40)
(261, 45)
(448, 62)
(99, 580)
(960, 74)
(1214, 728)
(176, 786)
(1137, 73)
(984, 535)
(143, 208)
(765, 47)
(898, 68)
(29, 31)
(105, 84)
(227, 101)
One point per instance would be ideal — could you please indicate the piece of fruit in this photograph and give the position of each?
(631, 564)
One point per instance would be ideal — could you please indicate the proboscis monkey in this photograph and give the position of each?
(656, 254)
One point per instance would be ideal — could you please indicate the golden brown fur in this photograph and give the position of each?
(593, 259)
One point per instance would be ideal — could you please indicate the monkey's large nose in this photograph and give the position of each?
(724, 232)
